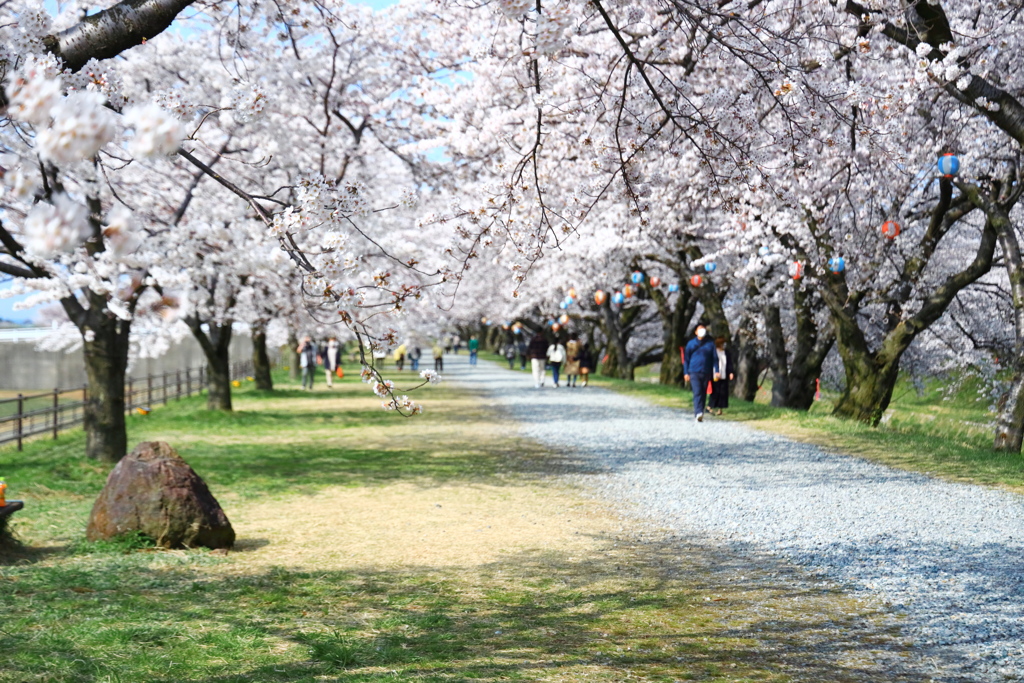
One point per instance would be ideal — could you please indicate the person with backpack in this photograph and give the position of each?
(700, 364)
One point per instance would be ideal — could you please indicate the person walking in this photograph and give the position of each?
(572, 360)
(438, 351)
(521, 347)
(456, 343)
(414, 357)
(586, 362)
(330, 353)
(510, 355)
(700, 364)
(474, 347)
(307, 361)
(725, 373)
(399, 356)
(538, 353)
(556, 356)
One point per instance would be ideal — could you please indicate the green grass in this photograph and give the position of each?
(929, 433)
(122, 610)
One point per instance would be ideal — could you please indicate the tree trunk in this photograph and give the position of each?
(216, 344)
(675, 328)
(106, 362)
(748, 365)
(778, 360)
(293, 356)
(1010, 421)
(260, 359)
(794, 381)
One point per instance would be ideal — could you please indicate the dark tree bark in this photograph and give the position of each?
(793, 380)
(106, 362)
(110, 32)
(261, 359)
(871, 374)
(216, 344)
(997, 205)
(748, 364)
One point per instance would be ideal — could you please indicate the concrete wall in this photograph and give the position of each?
(23, 368)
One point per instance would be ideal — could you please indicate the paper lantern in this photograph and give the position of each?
(949, 165)
(710, 267)
(796, 270)
(891, 229)
(837, 264)
(600, 297)
(617, 298)
(764, 251)
(572, 292)
(696, 281)
(673, 288)
(637, 277)
(550, 323)
(627, 291)
(505, 326)
(655, 281)
(564, 318)
(563, 305)
(555, 327)
(483, 320)
(569, 301)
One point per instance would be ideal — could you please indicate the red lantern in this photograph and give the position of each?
(696, 281)
(572, 292)
(796, 269)
(627, 291)
(600, 297)
(555, 328)
(655, 281)
(891, 229)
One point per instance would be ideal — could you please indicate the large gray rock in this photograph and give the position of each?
(154, 491)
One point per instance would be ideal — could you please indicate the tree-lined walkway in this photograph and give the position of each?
(947, 556)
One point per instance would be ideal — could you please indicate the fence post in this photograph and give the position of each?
(163, 387)
(131, 391)
(149, 391)
(188, 381)
(21, 407)
(56, 412)
(177, 391)
(202, 378)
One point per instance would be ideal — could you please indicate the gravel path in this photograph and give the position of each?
(948, 557)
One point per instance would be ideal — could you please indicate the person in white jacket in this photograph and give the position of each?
(556, 356)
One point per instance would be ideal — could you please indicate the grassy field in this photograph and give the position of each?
(374, 548)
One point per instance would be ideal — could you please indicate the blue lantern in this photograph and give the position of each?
(837, 264)
(618, 298)
(637, 277)
(550, 323)
(563, 305)
(764, 251)
(673, 288)
(569, 301)
(949, 165)
(710, 267)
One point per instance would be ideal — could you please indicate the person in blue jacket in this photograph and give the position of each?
(700, 364)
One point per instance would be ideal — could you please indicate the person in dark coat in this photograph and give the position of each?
(720, 382)
(700, 364)
(537, 351)
(586, 362)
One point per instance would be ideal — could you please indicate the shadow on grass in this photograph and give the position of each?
(534, 615)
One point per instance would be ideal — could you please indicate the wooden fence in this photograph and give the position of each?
(61, 409)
